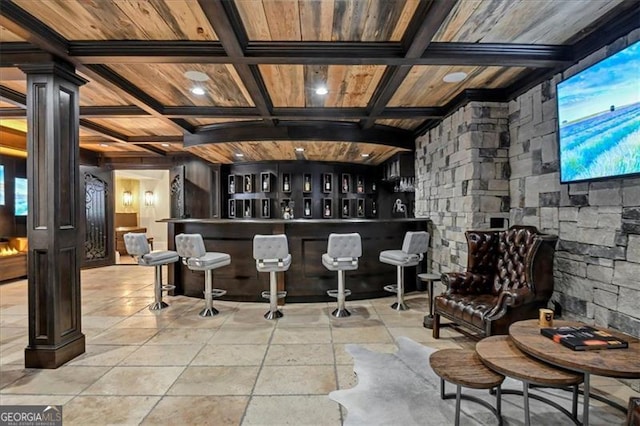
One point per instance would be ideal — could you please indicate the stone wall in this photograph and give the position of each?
(597, 266)
(464, 179)
(462, 167)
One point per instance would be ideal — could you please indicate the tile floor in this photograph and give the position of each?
(173, 367)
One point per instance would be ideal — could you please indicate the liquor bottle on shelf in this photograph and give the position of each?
(232, 209)
(327, 183)
(373, 187)
(345, 210)
(307, 183)
(345, 184)
(247, 211)
(360, 210)
(327, 209)
(374, 210)
(286, 186)
(265, 208)
(232, 185)
(307, 208)
(360, 185)
(265, 183)
(247, 184)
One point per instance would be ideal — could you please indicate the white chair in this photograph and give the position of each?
(414, 246)
(271, 253)
(343, 251)
(191, 249)
(138, 247)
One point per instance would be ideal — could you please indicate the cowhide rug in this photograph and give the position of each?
(402, 389)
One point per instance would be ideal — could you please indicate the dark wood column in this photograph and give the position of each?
(53, 223)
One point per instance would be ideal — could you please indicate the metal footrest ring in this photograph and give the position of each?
(392, 288)
(216, 292)
(267, 294)
(334, 293)
(168, 287)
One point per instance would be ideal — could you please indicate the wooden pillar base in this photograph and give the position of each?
(44, 356)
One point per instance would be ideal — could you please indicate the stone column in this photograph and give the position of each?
(53, 222)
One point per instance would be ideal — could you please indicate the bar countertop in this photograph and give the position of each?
(296, 221)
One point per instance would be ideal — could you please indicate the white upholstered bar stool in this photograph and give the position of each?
(138, 247)
(191, 249)
(414, 245)
(271, 253)
(343, 251)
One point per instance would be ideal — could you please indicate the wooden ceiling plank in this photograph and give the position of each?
(425, 23)
(283, 18)
(315, 76)
(316, 20)
(217, 13)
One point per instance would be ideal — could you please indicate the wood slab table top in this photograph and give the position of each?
(623, 363)
(463, 367)
(500, 354)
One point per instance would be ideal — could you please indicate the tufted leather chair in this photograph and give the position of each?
(509, 277)
(271, 253)
(343, 251)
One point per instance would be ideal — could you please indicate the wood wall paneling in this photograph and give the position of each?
(171, 88)
(556, 22)
(136, 20)
(424, 86)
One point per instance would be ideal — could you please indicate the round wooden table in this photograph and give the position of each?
(619, 363)
(500, 354)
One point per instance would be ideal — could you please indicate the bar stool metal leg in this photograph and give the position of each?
(208, 310)
(158, 303)
(274, 312)
(399, 305)
(341, 311)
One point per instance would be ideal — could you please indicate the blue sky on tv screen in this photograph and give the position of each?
(21, 197)
(611, 82)
(1, 185)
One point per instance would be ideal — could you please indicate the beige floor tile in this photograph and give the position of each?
(375, 334)
(242, 335)
(404, 319)
(123, 308)
(135, 381)
(347, 378)
(356, 322)
(11, 335)
(295, 380)
(11, 372)
(193, 320)
(181, 336)
(225, 354)
(145, 321)
(343, 357)
(90, 321)
(35, 399)
(198, 410)
(163, 355)
(123, 336)
(313, 320)
(296, 335)
(66, 380)
(103, 355)
(113, 410)
(12, 354)
(292, 410)
(227, 380)
(14, 320)
(300, 354)
(418, 334)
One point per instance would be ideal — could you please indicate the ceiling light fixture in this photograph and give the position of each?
(196, 76)
(321, 90)
(104, 144)
(454, 77)
(165, 145)
(239, 155)
(364, 155)
(299, 149)
(197, 91)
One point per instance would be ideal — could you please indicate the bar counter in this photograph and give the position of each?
(307, 280)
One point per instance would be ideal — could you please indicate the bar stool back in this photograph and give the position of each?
(138, 247)
(191, 249)
(271, 253)
(414, 245)
(343, 251)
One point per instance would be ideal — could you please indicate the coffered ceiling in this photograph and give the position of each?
(384, 64)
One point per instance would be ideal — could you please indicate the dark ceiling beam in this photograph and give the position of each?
(211, 111)
(154, 139)
(16, 112)
(112, 111)
(304, 131)
(16, 98)
(316, 53)
(15, 53)
(423, 26)
(28, 27)
(225, 20)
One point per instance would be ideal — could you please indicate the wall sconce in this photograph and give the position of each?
(127, 198)
(148, 198)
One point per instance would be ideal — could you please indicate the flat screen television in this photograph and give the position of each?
(1, 185)
(21, 197)
(599, 119)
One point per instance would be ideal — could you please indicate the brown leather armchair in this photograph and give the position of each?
(509, 277)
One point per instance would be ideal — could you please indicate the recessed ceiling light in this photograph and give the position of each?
(197, 91)
(196, 76)
(165, 145)
(321, 90)
(299, 149)
(104, 144)
(364, 155)
(454, 77)
(239, 155)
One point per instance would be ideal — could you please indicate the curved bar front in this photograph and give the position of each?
(307, 280)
